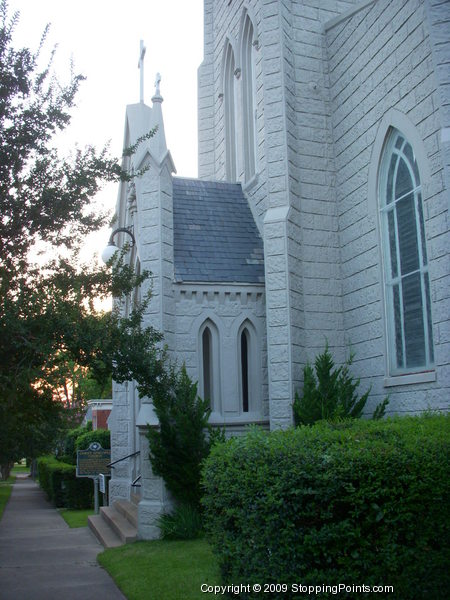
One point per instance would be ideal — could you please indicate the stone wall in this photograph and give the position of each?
(381, 73)
(228, 307)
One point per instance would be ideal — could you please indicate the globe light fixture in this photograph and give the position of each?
(111, 249)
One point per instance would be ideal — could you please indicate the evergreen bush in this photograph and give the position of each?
(330, 393)
(357, 501)
(182, 441)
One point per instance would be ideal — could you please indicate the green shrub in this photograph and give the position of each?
(181, 443)
(358, 501)
(330, 393)
(61, 485)
(68, 447)
(102, 436)
(184, 523)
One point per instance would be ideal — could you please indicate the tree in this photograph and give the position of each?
(181, 443)
(48, 322)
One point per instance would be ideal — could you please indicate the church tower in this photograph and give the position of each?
(264, 120)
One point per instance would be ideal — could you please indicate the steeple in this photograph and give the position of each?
(158, 142)
(141, 119)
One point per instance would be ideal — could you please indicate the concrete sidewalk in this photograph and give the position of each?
(41, 558)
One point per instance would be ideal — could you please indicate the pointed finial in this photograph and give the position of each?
(157, 82)
(141, 68)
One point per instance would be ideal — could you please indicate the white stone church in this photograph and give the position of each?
(320, 214)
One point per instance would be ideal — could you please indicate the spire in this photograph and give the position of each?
(158, 142)
(157, 97)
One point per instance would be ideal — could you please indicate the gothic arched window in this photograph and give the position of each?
(245, 367)
(248, 98)
(229, 110)
(406, 278)
(249, 369)
(209, 372)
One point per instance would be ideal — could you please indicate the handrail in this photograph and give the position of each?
(134, 484)
(121, 459)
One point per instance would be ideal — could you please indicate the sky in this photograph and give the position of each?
(102, 38)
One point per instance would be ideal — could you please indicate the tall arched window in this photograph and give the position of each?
(248, 99)
(229, 110)
(245, 367)
(209, 364)
(249, 369)
(406, 278)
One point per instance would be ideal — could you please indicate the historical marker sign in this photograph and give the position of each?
(93, 461)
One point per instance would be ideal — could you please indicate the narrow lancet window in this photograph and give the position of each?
(207, 365)
(248, 84)
(245, 370)
(229, 108)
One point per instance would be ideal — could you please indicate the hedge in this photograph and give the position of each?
(360, 502)
(63, 488)
(102, 436)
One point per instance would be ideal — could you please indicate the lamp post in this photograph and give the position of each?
(111, 248)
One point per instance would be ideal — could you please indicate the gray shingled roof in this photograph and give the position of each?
(215, 235)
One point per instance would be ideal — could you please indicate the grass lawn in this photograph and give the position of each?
(76, 518)
(162, 569)
(18, 468)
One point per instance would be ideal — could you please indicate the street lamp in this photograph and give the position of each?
(111, 248)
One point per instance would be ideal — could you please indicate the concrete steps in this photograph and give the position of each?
(115, 525)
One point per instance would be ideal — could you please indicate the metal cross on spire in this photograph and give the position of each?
(141, 68)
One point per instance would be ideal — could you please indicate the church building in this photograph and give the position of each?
(320, 215)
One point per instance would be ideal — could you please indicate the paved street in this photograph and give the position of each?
(41, 558)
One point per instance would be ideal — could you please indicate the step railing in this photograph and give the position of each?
(135, 483)
(111, 464)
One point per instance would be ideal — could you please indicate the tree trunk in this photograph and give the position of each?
(5, 469)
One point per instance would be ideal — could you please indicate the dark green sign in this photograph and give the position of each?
(93, 461)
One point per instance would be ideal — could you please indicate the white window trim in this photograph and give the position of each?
(407, 375)
(254, 371)
(216, 408)
(410, 379)
(248, 97)
(229, 92)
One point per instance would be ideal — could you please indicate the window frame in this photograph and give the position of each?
(253, 353)
(390, 281)
(230, 105)
(248, 97)
(214, 364)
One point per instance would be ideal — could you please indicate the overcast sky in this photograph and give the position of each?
(102, 38)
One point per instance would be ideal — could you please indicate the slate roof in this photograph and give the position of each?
(215, 235)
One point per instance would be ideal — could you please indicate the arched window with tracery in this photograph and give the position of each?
(229, 113)
(248, 97)
(406, 277)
